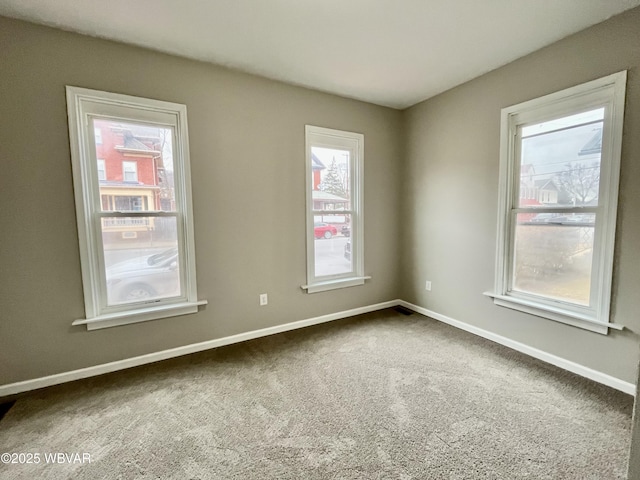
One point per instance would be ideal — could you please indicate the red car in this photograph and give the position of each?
(325, 230)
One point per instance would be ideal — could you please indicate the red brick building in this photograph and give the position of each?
(132, 175)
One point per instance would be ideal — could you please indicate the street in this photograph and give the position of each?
(121, 254)
(330, 256)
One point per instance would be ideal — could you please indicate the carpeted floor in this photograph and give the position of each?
(379, 396)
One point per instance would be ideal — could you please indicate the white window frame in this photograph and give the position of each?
(83, 105)
(126, 164)
(607, 92)
(354, 143)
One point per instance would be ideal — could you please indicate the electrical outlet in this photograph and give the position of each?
(264, 299)
(427, 285)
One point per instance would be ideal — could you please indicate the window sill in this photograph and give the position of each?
(554, 313)
(140, 315)
(335, 284)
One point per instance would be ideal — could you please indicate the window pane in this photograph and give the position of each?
(136, 161)
(553, 255)
(330, 179)
(141, 258)
(130, 171)
(560, 161)
(332, 244)
(102, 175)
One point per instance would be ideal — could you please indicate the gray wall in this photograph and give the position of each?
(247, 161)
(431, 177)
(450, 200)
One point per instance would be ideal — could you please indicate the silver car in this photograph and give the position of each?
(144, 278)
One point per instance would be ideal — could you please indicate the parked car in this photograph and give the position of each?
(549, 218)
(324, 230)
(144, 278)
(346, 230)
(543, 217)
(585, 219)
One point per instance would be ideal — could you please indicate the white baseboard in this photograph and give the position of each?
(573, 367)
(36, 383)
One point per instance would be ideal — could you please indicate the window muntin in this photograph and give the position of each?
(559, 179)
(140, 211)
(334, 208)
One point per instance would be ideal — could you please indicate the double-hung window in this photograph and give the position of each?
(334, 163)
(134, 218)
(130, 172)
(102, 172)
(560, 164)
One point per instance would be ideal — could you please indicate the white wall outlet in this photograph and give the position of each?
(427, 285)
(264, 299)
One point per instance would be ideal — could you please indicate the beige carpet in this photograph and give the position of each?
(379, 396)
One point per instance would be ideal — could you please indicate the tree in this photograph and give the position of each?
(332, 183)
(581, 182)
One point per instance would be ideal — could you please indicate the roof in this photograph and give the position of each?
(316, 164)
(328, 197)
(545, 184)
(594, 145)
(132, 143)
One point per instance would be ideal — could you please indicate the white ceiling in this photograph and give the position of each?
(392, 53)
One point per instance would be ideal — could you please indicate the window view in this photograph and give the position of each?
(559, 168)
(130, 162)
(559, 172)
(331, 193)
(334, 213)
(140, 252)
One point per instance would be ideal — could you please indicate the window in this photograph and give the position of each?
(130, 203)
(98, 136)
(130, 172)
(136, 234)
(560, 163)
(334, 209)
(102, 173)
